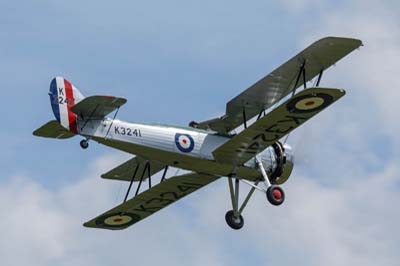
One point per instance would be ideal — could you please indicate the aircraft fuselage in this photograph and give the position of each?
(187, 148)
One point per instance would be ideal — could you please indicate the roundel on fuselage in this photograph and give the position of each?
(184, 142)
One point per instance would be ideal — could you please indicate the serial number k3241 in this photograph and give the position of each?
(126, 131)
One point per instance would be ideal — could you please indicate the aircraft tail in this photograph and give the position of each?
(64, 95)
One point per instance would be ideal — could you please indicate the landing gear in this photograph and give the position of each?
(234, 217)
(275, 195)
(234, 222)
(84, 144)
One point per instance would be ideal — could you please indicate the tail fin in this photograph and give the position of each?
(64, 95)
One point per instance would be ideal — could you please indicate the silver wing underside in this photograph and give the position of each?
(282, 81)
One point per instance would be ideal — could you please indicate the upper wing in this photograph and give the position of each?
(97, 106)
(276, 124)
(53, 129)
(150, 201)
(137, 166)
(280, 82)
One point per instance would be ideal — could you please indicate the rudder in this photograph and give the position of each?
(64, 95)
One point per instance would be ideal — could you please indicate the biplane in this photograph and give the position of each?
(244, 145)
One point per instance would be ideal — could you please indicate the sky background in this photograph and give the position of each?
(177, 61)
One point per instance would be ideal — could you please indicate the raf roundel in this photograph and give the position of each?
(309, 103)
(184, 142)
(118, 220)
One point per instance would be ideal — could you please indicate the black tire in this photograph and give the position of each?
(233, 222)
(84, 144)
(275, 195)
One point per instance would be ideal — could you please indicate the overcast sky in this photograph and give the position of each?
(177, 61)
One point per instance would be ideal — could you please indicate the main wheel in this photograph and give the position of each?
(84, 144)
(234, 222)
(275, 195)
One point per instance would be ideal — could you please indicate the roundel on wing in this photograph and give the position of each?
(184, 142)
(309, 103)
(118, 220)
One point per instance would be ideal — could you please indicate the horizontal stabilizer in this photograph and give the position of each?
(97, 107)
(150, 201)
(53, 129)
(137, 166)
(276, 124)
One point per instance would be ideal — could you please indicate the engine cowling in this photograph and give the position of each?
(278, 162)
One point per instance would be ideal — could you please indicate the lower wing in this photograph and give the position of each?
(150, 201)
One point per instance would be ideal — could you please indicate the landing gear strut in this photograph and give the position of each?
(274, 193)
(84, 144)
(234, 217)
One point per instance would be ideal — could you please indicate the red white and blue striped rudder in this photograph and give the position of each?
(64, 95)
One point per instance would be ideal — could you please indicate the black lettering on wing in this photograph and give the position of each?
(197, 185)
(262, 137)
(174, 195)
(277, 130)
(255, 146)
(149, 210)
(296, 119)
(160, 200)
(184, 188)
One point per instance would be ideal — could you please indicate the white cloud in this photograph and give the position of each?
(43, 227)
(351, 223)
(371, 72)
(361, 127)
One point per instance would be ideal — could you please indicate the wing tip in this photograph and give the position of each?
(94, 226)
(35, 133)
(91, 224)
(87, 224)
(354, 41)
